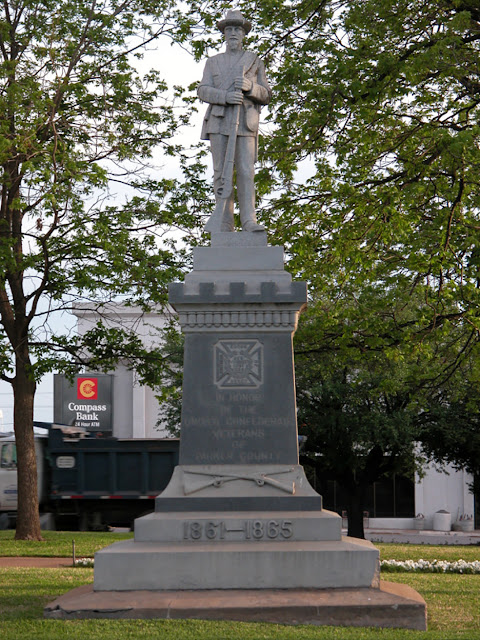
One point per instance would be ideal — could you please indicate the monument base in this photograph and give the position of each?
(239, 533)
(237, 527)
(391, 605)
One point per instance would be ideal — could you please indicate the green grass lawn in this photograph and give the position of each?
(59, 543)
(453, 600)
(453, 611)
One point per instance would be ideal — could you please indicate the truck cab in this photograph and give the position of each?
(8, 472)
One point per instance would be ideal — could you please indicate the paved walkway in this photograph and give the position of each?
(413, 536)
(29, 561)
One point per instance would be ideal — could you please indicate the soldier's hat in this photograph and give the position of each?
(234, 18)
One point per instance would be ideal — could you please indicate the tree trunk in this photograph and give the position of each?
(28, 517)
(356, 504)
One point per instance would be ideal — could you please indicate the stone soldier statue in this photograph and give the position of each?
(235, 86)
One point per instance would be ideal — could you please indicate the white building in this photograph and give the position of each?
(438, 490)
(136, 410)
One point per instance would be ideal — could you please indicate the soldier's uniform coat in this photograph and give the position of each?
(218, 79)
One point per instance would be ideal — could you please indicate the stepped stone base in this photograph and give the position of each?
(392, 605)
(131, 566)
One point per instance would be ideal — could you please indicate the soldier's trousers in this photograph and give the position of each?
(245, 151)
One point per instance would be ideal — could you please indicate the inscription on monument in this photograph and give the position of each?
(247, 530)
(236, 454)
(238, 364)
(238, 400)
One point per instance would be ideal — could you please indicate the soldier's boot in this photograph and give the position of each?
(249, 221)
(252, 225)
(248, 216)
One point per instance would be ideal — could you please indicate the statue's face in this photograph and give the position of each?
(234, 37)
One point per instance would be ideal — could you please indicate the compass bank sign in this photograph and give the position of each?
(86, 403)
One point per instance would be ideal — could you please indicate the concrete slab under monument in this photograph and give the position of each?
(391, 605)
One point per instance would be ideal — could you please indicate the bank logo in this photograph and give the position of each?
(238, 364)
(87, 389)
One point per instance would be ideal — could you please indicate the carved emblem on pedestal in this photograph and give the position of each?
(238, 364)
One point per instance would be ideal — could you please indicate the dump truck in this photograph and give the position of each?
(86, 481)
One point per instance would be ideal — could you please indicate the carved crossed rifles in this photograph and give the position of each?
(218, 480)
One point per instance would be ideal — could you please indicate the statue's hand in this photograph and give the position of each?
(234, 97)
(243, 84)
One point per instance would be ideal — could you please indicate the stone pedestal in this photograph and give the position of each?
(239, 513)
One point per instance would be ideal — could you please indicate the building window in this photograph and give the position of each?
(8, 456)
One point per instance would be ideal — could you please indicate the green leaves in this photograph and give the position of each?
(77, 121)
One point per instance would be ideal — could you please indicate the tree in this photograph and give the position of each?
(357, 407)
(75, 119)
(383, 99)
(380, 100)
(450, 425)
(170, 389)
